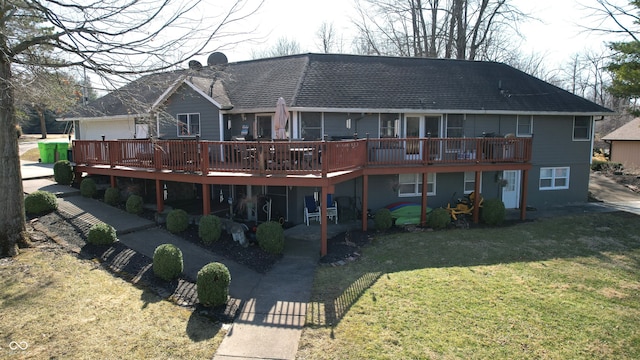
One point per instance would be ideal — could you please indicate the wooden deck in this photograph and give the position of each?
(316, 159)
(320, 164)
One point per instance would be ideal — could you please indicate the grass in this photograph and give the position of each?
(31, 155)
(567, 287)
(62, 307)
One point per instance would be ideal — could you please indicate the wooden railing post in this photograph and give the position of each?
(157, 155)
(204, 157)
(325, 158)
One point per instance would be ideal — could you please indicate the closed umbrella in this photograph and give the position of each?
(281, 118)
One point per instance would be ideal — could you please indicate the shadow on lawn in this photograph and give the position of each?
(586, 235)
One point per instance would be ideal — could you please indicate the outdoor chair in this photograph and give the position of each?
(332, 208)
(311, 209)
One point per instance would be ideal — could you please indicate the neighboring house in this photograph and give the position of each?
(624, 144)
(433, 128)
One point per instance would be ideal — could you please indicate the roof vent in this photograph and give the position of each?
(217, 58)
(195, 65)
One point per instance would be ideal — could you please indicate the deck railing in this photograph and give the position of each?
(298, 157)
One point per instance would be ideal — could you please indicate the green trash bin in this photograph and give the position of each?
(47, 152)
(61, 150)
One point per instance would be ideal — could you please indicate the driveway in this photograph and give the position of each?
(612, 194)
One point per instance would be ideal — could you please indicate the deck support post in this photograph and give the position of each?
(206, 199)
(159, 196)
(365, 201)
(112, 180)
(425, 187)
(476, 199)
(523, 196)
(323, 221)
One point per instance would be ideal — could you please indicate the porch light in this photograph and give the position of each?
(229, 124)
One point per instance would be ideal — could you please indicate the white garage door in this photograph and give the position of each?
(112, 130)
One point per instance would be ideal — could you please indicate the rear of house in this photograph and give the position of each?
(460, 126)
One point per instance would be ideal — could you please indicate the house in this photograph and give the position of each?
(370, 130)
(624, 144)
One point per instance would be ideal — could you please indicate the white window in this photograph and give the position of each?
(411, 184)
(188, 125)
(389, 125)
(470, 182)
(582, 128)
(311, 126)
(524, 127)
(554, 178)
(455, 125)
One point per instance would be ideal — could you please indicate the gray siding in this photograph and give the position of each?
(186, 100)
(553, 147)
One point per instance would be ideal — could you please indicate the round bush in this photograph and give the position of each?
(40, 202)
(112, 196)
(213, 284)
(177, 221)
(383, 219)
(167, 262)
(270, 236)
(88, 188)
(209, 229)
(63, 172)
(493, 212)
(134, 204)
(439, 219)
(101, 234)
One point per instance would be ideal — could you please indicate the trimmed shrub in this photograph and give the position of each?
(439, 219)
(101, 234)
(177, 221)
(88, 188)
(40, 202)
(63, 172)
(167, 262)
(493, 212)
(270, 236)
(213, 284)
(383, 219)
(134, 204)
(112, 196)
(209, 229)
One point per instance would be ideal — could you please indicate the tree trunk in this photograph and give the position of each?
(12, 221)
(43, 121)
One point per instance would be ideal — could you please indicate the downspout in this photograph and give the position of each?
(593, 136)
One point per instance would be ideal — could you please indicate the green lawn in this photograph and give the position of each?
(563, 288)
(56, 306)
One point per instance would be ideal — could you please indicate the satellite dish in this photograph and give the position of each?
(217, 58)
(195, 65)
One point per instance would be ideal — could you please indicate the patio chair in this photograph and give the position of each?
(332, 208)
(311, 209)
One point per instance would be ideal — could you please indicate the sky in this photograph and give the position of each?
(557, 34)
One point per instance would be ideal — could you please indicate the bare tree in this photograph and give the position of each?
(108, 37)
(283, 46)
(462, 29)
(327, 37)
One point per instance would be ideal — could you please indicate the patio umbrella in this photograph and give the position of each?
(281, 118)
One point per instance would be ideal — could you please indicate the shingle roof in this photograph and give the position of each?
(326, 81)
(628, 131)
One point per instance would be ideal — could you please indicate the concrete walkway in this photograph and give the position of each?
(274, 305)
